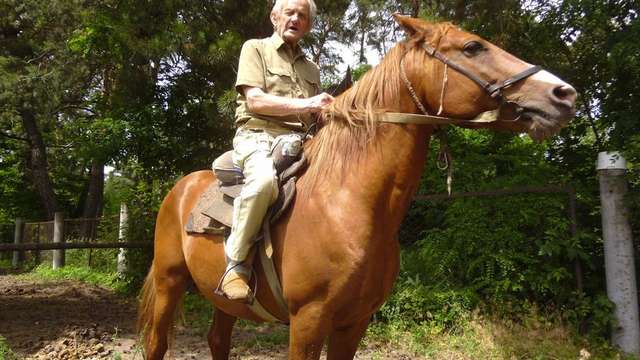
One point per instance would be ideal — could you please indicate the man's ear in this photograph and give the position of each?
(410, 25)
(274, 19)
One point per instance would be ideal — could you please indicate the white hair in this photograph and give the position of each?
(313, 9)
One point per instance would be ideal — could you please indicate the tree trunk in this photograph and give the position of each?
(415, 8)
(38, 164)
(93, 203)
(460, 11)
(362, 58)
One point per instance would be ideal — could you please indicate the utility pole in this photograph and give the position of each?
(618, 251)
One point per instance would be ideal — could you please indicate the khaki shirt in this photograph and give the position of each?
(271, 65)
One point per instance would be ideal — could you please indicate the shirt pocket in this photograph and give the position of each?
(279, 81)
(310, 84)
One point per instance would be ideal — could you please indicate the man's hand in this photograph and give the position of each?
(319, 102)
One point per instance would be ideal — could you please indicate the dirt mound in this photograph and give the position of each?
(62, 319)
(80, 343)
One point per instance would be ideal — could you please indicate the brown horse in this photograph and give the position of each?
(336, 250)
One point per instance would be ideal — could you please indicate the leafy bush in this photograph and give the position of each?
(504, 253)
(413, 303)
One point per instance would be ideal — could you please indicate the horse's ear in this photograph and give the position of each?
(410, 25)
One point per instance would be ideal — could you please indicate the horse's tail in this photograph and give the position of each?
(146, 311)
(145, 307)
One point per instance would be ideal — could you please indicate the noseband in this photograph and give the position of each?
(494, 90)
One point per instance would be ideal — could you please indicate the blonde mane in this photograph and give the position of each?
(351, 120)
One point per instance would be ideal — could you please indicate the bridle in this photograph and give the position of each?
(494, 90)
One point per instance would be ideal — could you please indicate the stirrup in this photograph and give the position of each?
(250, 294)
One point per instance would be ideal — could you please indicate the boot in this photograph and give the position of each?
(235, 286)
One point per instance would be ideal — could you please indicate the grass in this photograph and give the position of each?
(5, 351)
(75, 272)
(481, 337)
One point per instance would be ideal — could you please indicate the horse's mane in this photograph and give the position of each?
(351, 120)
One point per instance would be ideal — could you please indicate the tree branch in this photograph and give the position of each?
(2, 133)
(592, 123)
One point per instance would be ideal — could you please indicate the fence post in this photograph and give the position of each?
(618, 251)
(17, 239)
(122, 237)
(58, 237)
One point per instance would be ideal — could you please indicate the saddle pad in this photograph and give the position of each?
(213, 204)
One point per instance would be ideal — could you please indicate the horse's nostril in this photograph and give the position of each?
(565, 94)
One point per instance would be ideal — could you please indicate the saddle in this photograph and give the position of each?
(213, 213)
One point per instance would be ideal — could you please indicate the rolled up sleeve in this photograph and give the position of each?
(250, 67)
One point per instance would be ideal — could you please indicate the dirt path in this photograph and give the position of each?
(73, 320)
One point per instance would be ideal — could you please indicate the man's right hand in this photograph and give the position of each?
(319, 102)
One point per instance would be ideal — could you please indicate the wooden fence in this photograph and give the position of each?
(62, 234)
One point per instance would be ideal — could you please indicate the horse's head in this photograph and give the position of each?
(462, 75)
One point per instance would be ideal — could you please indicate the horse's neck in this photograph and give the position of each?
(393, 172)
(377, 189)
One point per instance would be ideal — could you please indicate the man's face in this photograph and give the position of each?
(293, 22)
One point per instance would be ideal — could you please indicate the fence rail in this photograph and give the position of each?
(74, 245)
(30, 238)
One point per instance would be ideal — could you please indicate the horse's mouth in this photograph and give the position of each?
(540, 124)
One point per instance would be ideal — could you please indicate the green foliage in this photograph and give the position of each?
(359, 71)
(197, 312)
(414, 303)
(5, 351)
(590, 314)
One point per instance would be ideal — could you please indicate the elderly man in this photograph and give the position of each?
(278, 89)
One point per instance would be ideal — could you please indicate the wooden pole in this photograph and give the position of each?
(58, 238)
(618, 251)
(122, 237)
(36, 253)
(17, 239)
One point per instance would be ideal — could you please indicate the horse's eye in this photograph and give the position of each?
(472, 48)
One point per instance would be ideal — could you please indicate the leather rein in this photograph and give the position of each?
(494, 90)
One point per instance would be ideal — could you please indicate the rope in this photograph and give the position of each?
(410, 88)
(444, 160)
(445, 79)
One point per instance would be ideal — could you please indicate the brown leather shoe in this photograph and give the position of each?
(235, 286)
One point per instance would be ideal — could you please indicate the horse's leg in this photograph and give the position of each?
(307, 332)
(220, 334)
(343, 342)
(169, 286)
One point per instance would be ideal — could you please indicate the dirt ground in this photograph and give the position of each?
(71, 320)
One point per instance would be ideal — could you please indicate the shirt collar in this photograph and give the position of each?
(278, 42)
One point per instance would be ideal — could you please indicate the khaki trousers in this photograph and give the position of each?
(251, 153)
